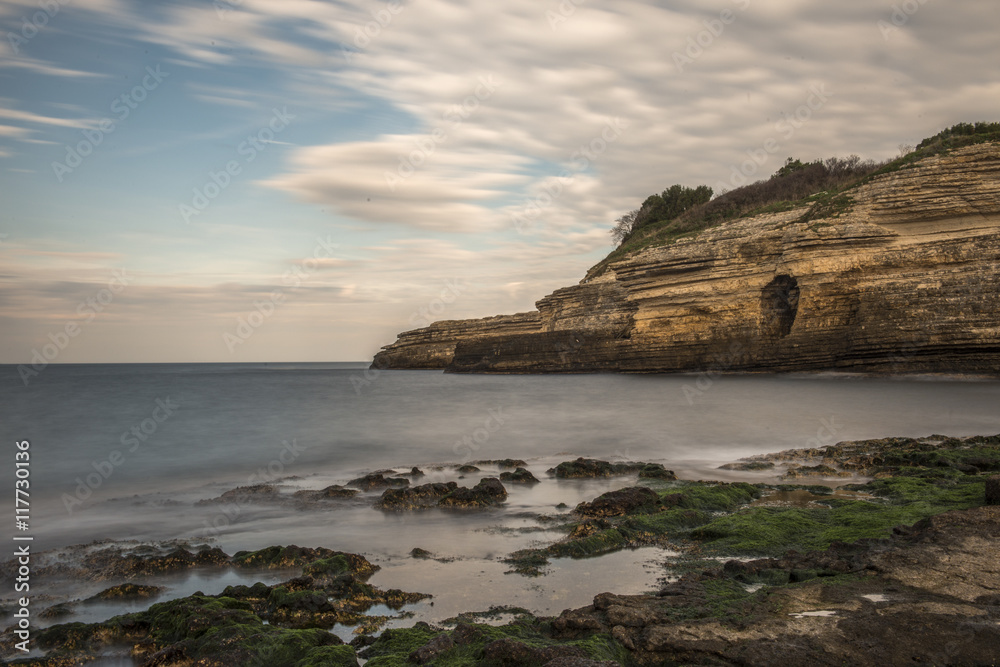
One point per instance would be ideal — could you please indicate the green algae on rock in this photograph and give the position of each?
(283, 625)
(524, 642)
(915, 478)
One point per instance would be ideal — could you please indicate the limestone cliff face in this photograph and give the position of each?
(904, 281)
(434, 346)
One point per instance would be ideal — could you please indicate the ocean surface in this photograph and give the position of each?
(126, 451)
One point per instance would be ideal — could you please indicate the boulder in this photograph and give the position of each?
(518, 476)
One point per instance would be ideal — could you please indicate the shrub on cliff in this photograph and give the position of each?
(663, 207)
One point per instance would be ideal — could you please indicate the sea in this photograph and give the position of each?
(126, 452)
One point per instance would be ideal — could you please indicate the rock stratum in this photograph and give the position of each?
(897, 276)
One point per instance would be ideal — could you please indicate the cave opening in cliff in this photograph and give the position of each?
(779, 304)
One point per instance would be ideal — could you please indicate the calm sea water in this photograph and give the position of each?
(125, 451)
(183, 429)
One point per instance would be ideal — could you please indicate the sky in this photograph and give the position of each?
(301, 180)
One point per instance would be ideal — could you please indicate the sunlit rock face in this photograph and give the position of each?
(902, 278)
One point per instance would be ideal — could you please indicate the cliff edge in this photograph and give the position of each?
(897, 274)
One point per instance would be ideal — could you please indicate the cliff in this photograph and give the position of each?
(897, 275)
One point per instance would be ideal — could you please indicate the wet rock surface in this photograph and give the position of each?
(621, 502)
(518, 476)
(488, 492)
(922, 596)
(501, 463)
(377, 481)
(585, 468)
(244, 495)
(416, 497)
(284, 624)
(993, 490)
(128, 592)
(330, 492)
(901, 569)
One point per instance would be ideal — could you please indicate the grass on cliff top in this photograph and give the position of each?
(820, 186)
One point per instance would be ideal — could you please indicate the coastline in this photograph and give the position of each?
(702, 524)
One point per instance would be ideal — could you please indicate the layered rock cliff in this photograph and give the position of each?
(898, 276)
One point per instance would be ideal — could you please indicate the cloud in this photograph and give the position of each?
(410, 181)
(42, 67)
(29, 117)
(11, 131)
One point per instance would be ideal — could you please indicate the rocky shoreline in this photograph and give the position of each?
(898, 564)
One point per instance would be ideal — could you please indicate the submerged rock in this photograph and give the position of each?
(489, 491)
(518, 476)
(286, 624)
(417, 497)
(128, 592)
(281, 557)
(584, 468)
(748, 465)
(621, 502)
(329, 493)
(243, 495)
(820, 470)
(501, 463)
(656, 471)
(465, 469)
(377, 480)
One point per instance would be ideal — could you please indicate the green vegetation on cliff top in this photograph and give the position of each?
(681, 212)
